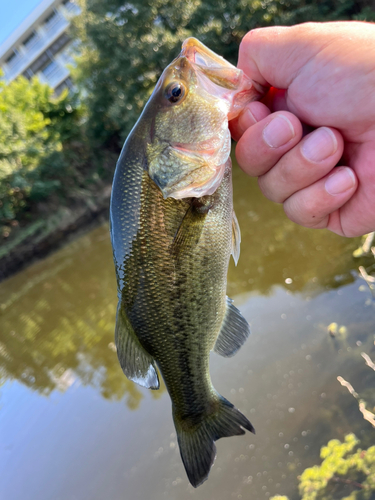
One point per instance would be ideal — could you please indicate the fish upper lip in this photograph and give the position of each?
(192, 46)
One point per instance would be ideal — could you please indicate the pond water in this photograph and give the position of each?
(73, 427)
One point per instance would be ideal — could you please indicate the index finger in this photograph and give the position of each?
(274, 56)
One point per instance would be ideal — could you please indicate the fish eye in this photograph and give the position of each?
(175, 92)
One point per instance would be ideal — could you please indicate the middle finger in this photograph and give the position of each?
(310, 160)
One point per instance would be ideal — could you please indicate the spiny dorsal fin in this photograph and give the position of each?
(234, 331)
(236, 238)
(135, 362)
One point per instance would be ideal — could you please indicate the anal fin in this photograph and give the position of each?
(234, 332)
(135, 362)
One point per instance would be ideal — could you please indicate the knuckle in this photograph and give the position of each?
(312, 209)
(291, 212)
(304, 211)
(266, 189)
(258, 35)
(251, 36)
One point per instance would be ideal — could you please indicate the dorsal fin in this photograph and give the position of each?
(234, 332)
(236, 238)
(135, 362)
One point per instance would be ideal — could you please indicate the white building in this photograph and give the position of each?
(40, 45)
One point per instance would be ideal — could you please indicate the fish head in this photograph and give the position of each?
(189, 141)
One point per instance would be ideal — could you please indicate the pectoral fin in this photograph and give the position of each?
(135, 362)
(234, 332)
(189, 232)
(236, 238)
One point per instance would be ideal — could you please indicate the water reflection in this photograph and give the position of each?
(57, 318)
(57, 323)
(275, 251)
(56, 340)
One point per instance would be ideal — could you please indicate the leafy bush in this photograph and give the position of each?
(36, 133)
(346, 473)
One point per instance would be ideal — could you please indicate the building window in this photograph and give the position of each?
(31, 40)
(13, 58)
(50, 70)
(71, 7)
(49, 19)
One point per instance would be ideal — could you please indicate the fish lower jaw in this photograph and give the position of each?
(210, 158)
(196, 189)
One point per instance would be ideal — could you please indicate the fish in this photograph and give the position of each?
(173, 229)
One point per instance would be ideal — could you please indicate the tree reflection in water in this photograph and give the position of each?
(57, 323)
(57, 317)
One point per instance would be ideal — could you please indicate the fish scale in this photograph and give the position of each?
(173, 229)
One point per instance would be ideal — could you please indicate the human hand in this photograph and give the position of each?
(327, 73)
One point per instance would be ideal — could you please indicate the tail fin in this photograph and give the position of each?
(196, 442)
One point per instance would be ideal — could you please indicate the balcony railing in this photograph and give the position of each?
(54, 74)
(56, 22)
(72, 8)
(15, 67)
(35, 48)
(51, 30)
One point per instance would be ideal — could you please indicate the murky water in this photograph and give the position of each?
(73, 427)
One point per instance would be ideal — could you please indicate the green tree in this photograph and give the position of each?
(126, 46)
(36, 144)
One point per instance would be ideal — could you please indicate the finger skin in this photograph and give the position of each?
(322, 66)
(253, 113)
(357, 216)
(254, 155)
(294, 171)
(312, 206)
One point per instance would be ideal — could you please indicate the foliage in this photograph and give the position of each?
(346, 473)
(126, 46)
(44, 153)
(36, 144)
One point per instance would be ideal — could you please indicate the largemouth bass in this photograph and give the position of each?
(173, 230)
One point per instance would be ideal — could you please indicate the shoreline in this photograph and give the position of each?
(38, 239)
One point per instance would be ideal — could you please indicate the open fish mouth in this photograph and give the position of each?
(215, 67)
(219, 77)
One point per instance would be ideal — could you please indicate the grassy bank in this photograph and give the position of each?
(45, 233)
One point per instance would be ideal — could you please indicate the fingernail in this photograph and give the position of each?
(248, 117)
(319, 145)
(340, 181)
(246, 120)
(278, 132)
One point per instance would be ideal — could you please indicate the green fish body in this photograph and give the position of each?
(173, 230)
